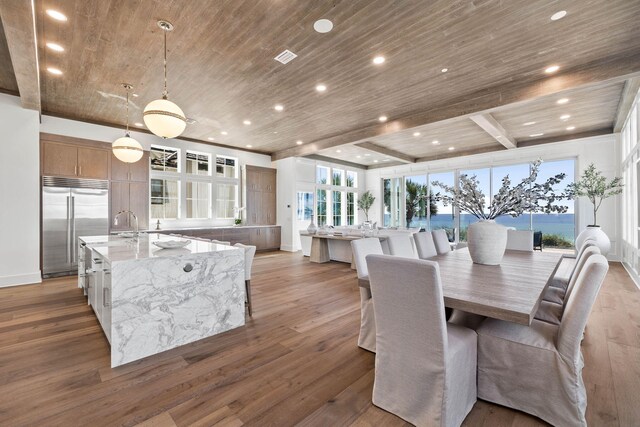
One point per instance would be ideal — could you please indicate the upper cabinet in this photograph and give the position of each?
(260, 195)
(74, 161)
(138, 171)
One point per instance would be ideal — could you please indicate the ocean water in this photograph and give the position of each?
(560, 224)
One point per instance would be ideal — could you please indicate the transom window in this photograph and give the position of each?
(198, 163)
(226, 167)
(164, 159)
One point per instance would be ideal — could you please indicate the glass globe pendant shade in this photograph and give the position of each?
(127, 149)
(164, 118)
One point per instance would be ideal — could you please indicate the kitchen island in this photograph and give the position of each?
(149, 300)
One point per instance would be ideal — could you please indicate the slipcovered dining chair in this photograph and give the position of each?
(567, 266)
(520, 240)
(402, 245)
(424, 245)
(441, 241)
(425, 370)
(249, 254)
(538, 368)
(361, 248)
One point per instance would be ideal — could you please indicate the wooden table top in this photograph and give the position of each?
(510, 291)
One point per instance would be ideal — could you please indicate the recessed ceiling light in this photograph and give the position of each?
(562, 101)
(565, 117)
(249, 146)
(224, 132)
(135, 95)
(138, 124)
(552, 69)
(416, 134)
(444, 70)
(558, 15)
(247, 122)
(299, 142)
(211, 138)
(452, 148)
(278, 107)
(323, 26)
(54, 71)
(435, 142)
(571, 128)
(533, 135)
(386, 160)
(528, 123)
(321, 87)
(338, 151)
(55, 46)
(358, 156)
(367, 155)
(58, 16)
(378, 60)
(382, 119)
(375, 161)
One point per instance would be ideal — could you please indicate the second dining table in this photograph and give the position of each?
(510, 291)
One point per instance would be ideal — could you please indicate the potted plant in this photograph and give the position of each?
(238, 215)
(487, 239)
(365, 202)
(594, 186)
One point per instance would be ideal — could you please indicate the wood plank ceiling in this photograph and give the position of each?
(8, 82)
(222, 72)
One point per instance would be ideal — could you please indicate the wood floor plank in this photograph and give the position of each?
(295, 361)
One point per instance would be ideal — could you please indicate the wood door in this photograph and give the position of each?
(139, 203)
(254, 207)
(119, 195)
(93, 163)
(59, 159)
(139, 171)
(268, 212)
(252, 178)
(119, 169)
(268, 181)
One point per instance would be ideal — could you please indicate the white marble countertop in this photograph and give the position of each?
(114, 248)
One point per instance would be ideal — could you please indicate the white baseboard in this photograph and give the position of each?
(20, 279)
(632, 274)
(287, 248)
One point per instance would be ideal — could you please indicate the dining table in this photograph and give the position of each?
(511, 291)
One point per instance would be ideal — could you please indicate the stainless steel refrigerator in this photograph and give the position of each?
(70, 208)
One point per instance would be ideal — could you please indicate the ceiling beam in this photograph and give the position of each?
(18, 19)
(404, 158)
(336, 161)
(631, 88)
(566, 137)
(461, 153)
(604, 71)
(490, 125)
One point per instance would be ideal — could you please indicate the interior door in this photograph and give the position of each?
(91, 215)
(56, 230)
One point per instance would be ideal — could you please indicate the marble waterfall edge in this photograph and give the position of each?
(158, 305)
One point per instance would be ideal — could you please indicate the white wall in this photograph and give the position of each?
(20, 194)
(601, 150)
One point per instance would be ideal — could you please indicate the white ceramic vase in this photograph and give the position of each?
(311, 229)
(594, 232)
(487, 242)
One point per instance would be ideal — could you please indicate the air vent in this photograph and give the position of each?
(285, 57)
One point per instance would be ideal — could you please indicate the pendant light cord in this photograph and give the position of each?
(165, 93)
(127, 112)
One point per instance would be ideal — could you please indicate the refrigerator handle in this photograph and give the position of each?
(73, 232)
(68, 229)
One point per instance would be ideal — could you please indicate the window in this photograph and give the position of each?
(391, 202)
(304, 206)
(164, 159)
(198, 200)
(225, 167)
(416, 201)
(322, 175)
(352, 179)
(443, 216)
(516, 174)
(226, 201)
(337, 177)
(483, 176)
(322, 207)
(351, 208)
(337, 207)
(164, 198)
(198, 164)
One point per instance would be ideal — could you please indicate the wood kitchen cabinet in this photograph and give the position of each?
(263, 238)
(74, 161)
(260, 195)
(138, 171)
(129, 196)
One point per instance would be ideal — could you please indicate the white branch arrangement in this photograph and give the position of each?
(527, 196)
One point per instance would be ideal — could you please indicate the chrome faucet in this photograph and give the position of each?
(115, 219)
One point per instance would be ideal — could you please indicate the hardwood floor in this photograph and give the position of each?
(295, 362)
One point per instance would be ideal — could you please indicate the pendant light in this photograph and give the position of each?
(127, 149)
(163, 117)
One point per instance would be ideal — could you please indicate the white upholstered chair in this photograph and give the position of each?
(520, 240)
(424, 245)
(220, 242)
(249, 253)
(441, 241)
(402, 245)
(361, 248)
(425, 369)
(567, 266)
(538, 368)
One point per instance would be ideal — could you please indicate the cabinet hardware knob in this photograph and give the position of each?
(187, 267)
